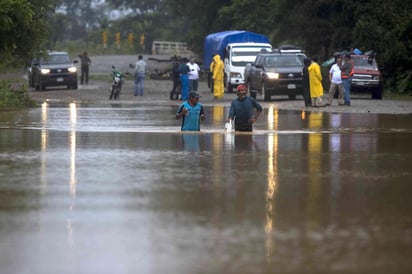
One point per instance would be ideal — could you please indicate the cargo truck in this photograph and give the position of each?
(236, 48)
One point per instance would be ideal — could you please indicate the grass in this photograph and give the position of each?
(14, 96)
(397, 96)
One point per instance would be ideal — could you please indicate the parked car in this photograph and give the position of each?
(275, 73)
(367, 77)
(52, 69)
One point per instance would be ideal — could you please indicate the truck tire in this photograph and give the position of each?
(265, 94)
(377, 93)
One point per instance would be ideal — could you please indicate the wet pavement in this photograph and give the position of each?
(119, 189)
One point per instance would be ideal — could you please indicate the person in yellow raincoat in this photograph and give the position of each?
(315, 83)
(217, 75)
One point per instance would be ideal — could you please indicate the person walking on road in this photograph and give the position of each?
(218, 75)
(139, 76)
(191, 113)
(84, 67)
(315, 80)
(335, 82)
(184, 79)
(347, 73)
(194, 71)
(244, 110)
(174, 93)
(306, 86)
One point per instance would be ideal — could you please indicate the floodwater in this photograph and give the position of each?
(120, 189)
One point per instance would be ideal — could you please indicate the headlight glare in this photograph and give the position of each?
(45, 71)
(272, 75)
(235, 75)
(72, 69)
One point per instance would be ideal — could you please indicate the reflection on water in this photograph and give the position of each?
(122, 189)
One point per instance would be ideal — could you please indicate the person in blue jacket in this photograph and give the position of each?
(244, 110)
(184, 79)
(191, 113)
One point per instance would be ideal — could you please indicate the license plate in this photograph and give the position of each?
(59, 79)
(291, 86)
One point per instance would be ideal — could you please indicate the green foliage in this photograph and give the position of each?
(22, 28)
(12, 98)
(257, 21)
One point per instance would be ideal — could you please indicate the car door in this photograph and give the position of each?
(256, 73)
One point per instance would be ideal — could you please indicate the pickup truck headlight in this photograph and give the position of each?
(45, 71)
(72, 69)
(235, 75)
(272, 75)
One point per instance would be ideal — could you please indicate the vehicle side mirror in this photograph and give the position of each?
(75, 61)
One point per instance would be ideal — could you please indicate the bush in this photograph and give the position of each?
(12, 98)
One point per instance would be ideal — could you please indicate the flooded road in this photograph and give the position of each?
(122, 190)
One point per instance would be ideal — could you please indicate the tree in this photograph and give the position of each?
(23, 28)
(199, 19)
(385, 27)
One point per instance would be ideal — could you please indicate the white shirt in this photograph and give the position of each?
(194, 71)
(336, 74)
(140, 66)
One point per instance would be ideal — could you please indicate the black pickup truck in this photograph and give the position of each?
(275, 73)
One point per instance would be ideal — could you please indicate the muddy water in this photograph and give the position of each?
(122, 190)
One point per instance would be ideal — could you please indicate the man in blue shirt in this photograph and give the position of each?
(191, 113)
(244, 110)
(184, 79)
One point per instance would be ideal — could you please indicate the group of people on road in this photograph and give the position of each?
(340, 76)
(244, 110)
(185, 77)
(139, 72)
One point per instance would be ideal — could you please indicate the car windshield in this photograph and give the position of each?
(364, 62)
(56, 59)
(283, 61)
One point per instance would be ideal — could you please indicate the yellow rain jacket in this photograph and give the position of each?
(217, 74)
(315, 80)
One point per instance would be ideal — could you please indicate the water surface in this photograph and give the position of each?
(122, 190)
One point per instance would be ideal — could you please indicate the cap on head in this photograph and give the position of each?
(241, 88)
(194, 95)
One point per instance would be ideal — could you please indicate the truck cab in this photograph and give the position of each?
(236, 56)
(275, 73)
